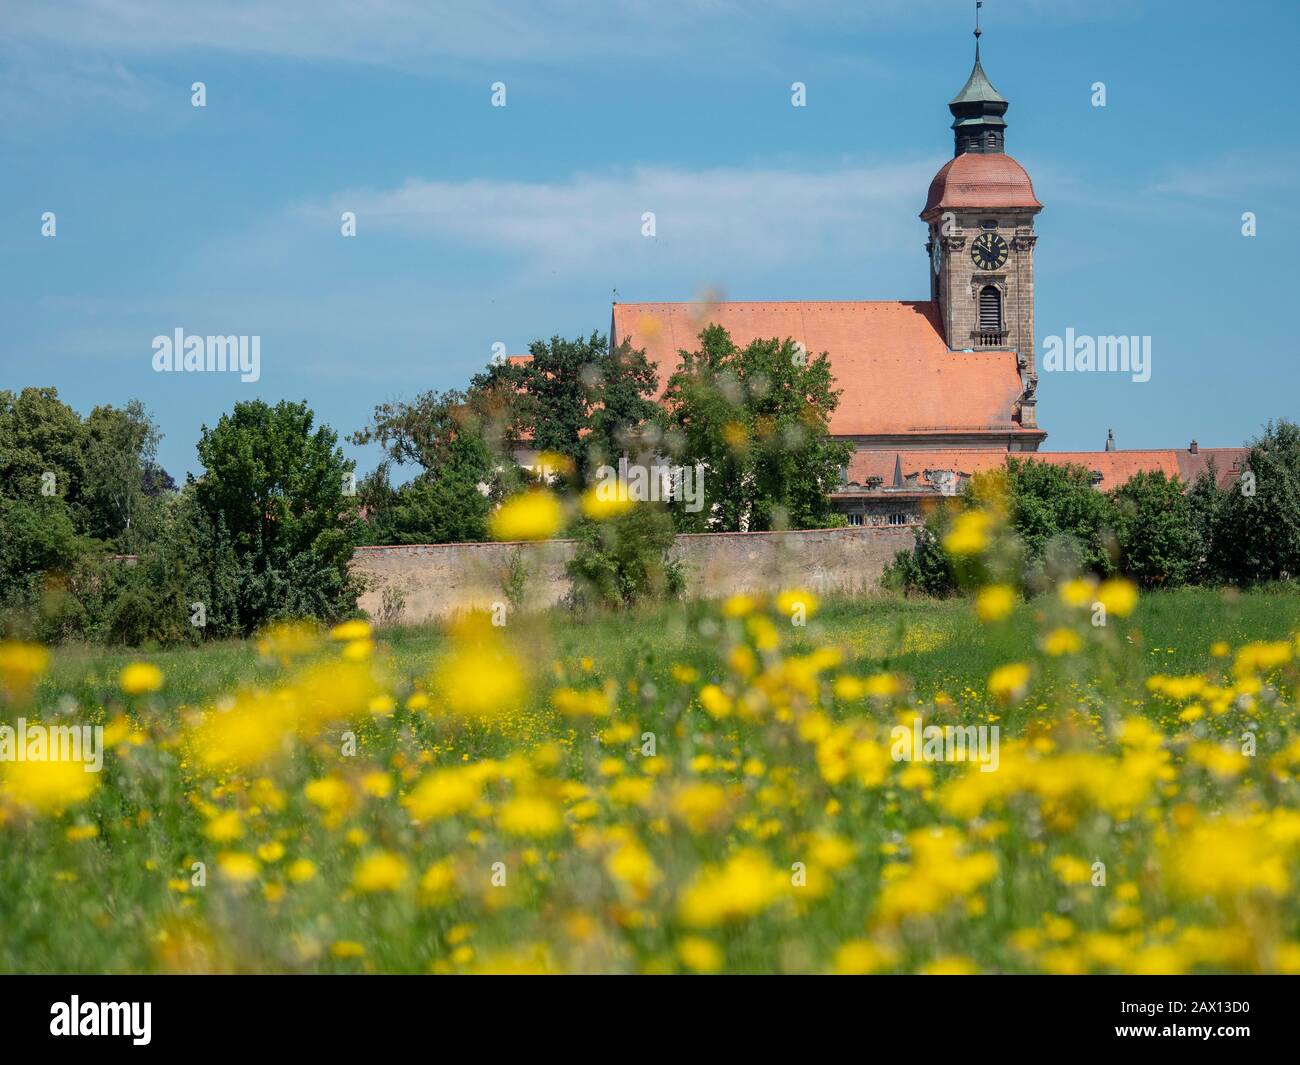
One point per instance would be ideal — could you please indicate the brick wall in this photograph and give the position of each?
(437, 580)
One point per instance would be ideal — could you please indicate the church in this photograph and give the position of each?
(935, 390)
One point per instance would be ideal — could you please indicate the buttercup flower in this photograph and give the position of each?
(141, 677)
(532, 515)
(995, 602)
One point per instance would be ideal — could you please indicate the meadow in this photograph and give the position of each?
(700, 787)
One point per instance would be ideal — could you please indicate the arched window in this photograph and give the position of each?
(990, 309)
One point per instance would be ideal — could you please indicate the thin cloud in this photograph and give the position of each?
(401, 32)
(1231, 177)
(704, 220)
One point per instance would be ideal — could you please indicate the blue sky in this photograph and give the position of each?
(479, 225)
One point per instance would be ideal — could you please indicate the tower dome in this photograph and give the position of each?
(975, 180)
(980, 174)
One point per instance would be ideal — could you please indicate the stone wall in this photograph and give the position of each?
(437, 580)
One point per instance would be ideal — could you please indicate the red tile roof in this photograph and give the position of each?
(1115, 467)
(976, 179)
(888, 356)
(1228, 463)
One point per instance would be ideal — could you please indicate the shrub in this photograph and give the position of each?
(924, 569)
(624, 560)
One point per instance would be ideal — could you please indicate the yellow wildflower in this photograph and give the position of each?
(141, 677)
(995, 602)
(531, 515)
(380, 871)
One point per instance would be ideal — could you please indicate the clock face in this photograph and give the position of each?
(936, 255)
(989, 251)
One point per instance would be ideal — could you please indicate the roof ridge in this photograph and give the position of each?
(718, 303)
(1117, 451)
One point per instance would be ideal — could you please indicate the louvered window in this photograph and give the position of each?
(990, 309)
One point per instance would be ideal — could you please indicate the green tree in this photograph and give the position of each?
(621, 390)
(1207, 502)
(442, 433)
(428, 510)
(757, 420)
(274, 495)
(1256, 533)
(121, 447)
(40, 546)
(1155, 525)
(1059, 515)
(555, 393)
(40, 435)
(577, 398)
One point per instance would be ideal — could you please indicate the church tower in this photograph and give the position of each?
(980, 213)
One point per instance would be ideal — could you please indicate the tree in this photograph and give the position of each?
(578, 398)
(423, 432)
(1257, 524)
(1155, 525)
(274, 492)
(1056, 510)
(925, 567)
(1207, 502)
(120, 470)
(621, 390)
(39, 541)
(442, 434)
(42, 444)
(757, 420)
(431, 510)
(555, 393)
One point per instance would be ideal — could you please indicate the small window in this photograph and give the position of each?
(990, 308)
(855, 519)
(897, 519)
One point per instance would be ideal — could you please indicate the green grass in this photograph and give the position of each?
(111, 903)
(939, 644)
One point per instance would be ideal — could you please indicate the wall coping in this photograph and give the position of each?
(844, 530)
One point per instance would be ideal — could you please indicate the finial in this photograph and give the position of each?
(978, 32)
